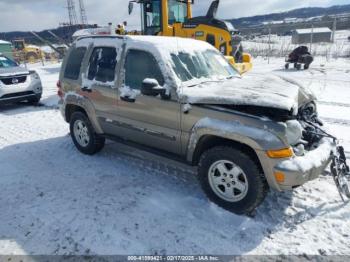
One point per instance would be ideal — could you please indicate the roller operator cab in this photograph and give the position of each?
(174, 18)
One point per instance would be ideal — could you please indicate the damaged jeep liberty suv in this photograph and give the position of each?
(181, 97)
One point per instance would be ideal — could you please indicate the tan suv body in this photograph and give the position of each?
(181, 96)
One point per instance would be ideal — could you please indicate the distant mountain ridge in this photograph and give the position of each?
(301, 13)
(321, 17)
(65, 33)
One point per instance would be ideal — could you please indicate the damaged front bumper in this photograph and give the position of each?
(301, 169)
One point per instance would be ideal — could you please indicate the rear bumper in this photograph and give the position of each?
(301, 169)
(62, 107)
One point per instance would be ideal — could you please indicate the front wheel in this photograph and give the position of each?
(232, 180)
(84, 136)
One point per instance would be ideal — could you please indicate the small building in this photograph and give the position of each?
(6, 49)
(318, 35)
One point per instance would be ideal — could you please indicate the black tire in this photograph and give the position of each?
(95, 143)
(306, 66)
(257, 185)
(286, 66)
(31, 55)
(298, 66)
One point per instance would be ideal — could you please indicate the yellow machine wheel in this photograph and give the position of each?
(32, 57)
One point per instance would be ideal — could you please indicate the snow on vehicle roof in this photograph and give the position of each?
(4, 42)
(313, 30)
(170, 44)
(92, 31)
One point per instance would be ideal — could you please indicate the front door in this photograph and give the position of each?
(147, 120)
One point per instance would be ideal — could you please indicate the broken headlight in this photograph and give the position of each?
(294, 132)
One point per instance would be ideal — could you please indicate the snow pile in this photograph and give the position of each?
(128, 92)
(313, 159)
(87, 83)
(4, 42)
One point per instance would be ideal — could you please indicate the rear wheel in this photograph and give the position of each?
(84, 136)
(232, 180)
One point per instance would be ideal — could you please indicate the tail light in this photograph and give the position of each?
(59, 91)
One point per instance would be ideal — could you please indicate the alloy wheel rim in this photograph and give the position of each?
(81, 133)
(228, 181)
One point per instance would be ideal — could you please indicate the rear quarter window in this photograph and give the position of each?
(74, 62)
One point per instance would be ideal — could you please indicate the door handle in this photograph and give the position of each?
(85, 89)
(128, 99)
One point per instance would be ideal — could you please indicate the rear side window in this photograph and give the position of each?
(74, 62)
(140, 65)
(102, 64)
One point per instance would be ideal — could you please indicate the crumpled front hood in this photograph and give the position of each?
(11, 71)
(253, 90)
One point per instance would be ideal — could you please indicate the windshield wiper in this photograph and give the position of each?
(208, 81)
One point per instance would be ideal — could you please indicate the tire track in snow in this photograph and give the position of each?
(327, 103)
(337, 121)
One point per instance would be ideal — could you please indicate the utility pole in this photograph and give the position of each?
(334, 29)
(312, 37)
(268, 57)
(83, 17)
(71, 13)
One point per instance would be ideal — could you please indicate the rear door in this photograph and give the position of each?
(71, 76)
(98, 82)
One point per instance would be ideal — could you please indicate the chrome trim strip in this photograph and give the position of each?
(139, 129)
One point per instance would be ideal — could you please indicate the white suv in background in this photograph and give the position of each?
(18, 84)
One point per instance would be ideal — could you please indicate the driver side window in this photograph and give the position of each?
(140, 65)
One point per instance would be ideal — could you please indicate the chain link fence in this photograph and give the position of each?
(273, 45)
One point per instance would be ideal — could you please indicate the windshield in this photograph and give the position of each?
(6, 63)
(177, 12)
(207, 64)
(151, 13)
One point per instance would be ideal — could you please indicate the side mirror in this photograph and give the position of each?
(150, 87)
(131, 7)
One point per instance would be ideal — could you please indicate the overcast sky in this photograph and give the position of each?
(23, 15)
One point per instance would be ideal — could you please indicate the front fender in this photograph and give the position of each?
(256, 138)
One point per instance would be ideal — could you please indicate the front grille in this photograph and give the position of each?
(18, 94)
(14, 80)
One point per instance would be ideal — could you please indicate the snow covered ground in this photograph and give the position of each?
(54, 200)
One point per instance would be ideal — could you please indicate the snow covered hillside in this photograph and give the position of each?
(54, 200)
